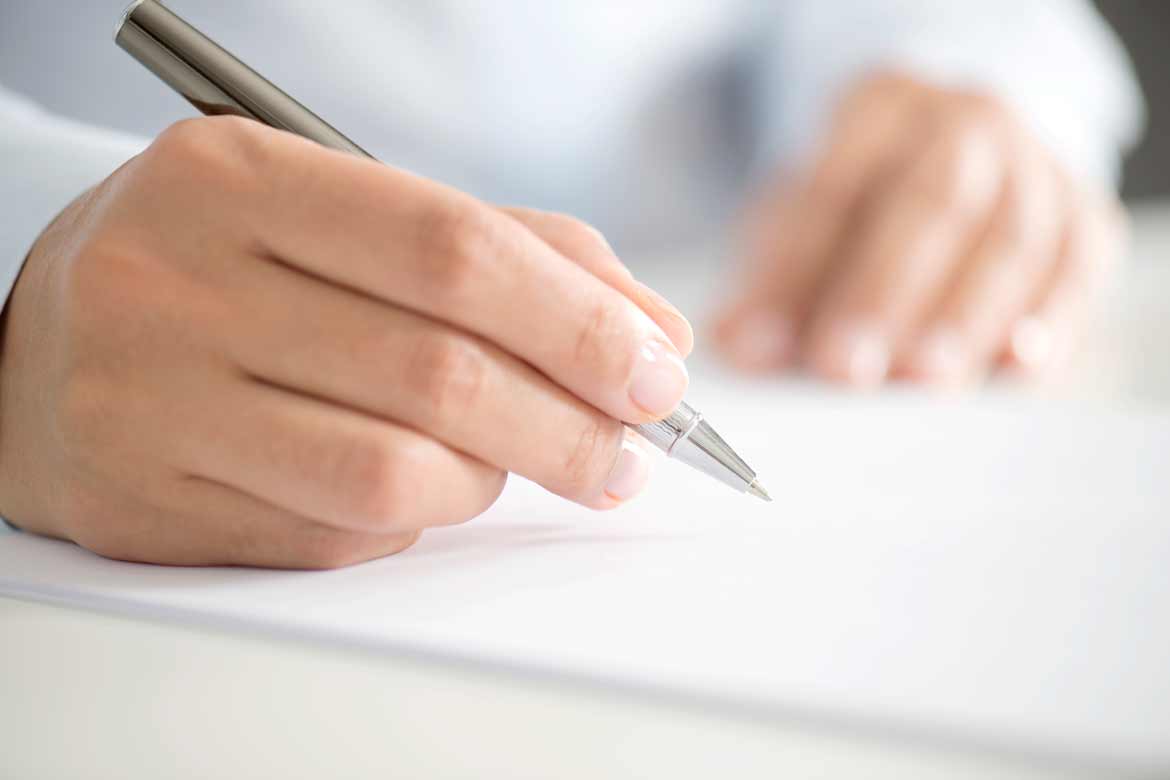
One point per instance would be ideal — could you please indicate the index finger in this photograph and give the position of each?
(418, 244)
(588, 248)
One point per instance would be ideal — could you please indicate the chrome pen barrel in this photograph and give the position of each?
(212, 79)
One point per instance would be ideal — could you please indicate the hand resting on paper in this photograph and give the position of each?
(243, 348)
(934, 238)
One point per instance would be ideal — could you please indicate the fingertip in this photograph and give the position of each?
(1031, 345)
(631, 472)
(855, 353)
(940, 359)
(755, 340)
(659, 380)
(602, 503)
(629, 477)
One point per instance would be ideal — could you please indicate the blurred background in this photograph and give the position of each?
(1144, 25)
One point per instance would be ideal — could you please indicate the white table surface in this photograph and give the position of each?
(92, 695)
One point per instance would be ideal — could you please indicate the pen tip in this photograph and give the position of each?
(757, 490)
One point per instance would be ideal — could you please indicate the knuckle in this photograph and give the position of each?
(237, 129)
(451, 371)
(180, 136)
(602, 327)
(222, 150)
(199, 135)
(188, 141)
(370, 474)
(579, 233)
(461, 239)
(473, 503)
(959, 173)
(591, 458)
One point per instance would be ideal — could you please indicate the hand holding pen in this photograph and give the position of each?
(262, 351)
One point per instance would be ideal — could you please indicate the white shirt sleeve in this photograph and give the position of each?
(1056, 62)
(46, 162)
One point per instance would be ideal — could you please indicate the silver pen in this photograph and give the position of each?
(215, 82)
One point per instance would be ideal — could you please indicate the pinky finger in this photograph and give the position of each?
(219, 525)
(278, 539)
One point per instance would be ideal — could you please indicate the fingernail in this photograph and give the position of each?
(659, 379)
(1031, 342)
(864, 354)
(630, 473)
(941, 357)
(759, 341)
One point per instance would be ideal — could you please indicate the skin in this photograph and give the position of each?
(934, 239)
(243, 348)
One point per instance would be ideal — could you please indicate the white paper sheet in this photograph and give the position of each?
(995, 572)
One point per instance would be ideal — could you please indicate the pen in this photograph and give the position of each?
(215, 82)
